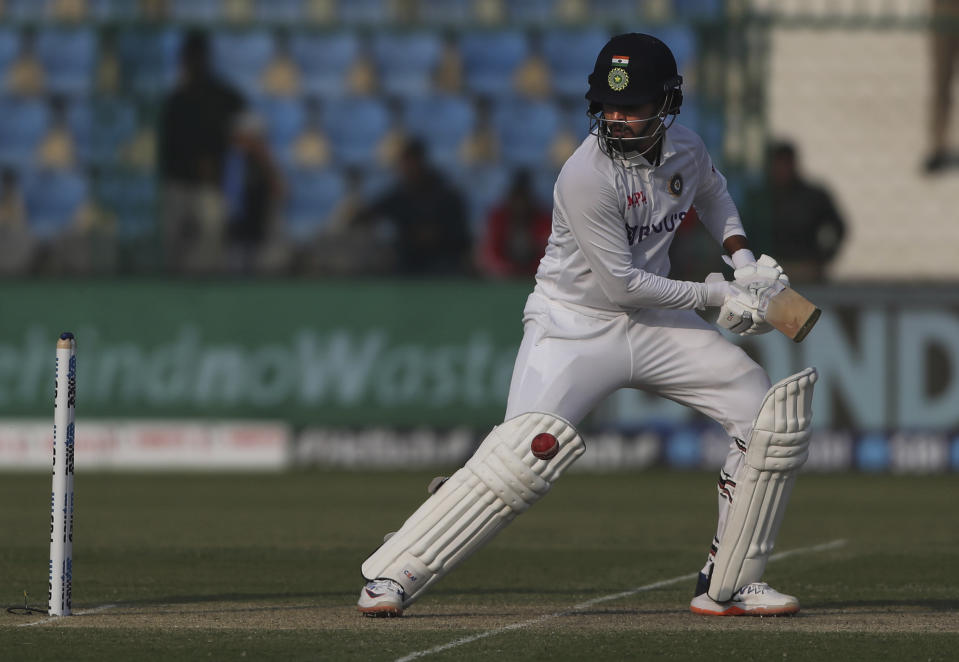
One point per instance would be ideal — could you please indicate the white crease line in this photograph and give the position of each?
(835, 544)
(81, 612)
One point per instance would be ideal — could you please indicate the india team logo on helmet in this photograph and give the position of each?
(618, 79)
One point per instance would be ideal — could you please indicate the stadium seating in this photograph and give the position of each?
(285, 120)
(279, 11)
(242, 57)
(446, 13)
(101, 128)
(490, 59)
(531, 12)
(9, 49)
(355, 127)
(27, 10)
(131, 197)
(484, 185)
(313, 196)
(24, 124)
(112, 10)
(52, 199)
(526, 131)
(442, 122)
(405, 62)
(196, 11)
(324, 61)
(570, 55)
(357, 13)
(150, 60)
(68, 56)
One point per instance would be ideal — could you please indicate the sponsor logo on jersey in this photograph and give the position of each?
(639, 197)
(675, 186)
(636, 233)
(618, 79)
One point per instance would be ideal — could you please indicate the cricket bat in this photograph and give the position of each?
(792, 314)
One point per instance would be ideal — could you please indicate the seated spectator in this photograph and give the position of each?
(793, 218)
(425, 217)
(516, 232)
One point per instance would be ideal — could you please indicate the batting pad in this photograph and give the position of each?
(777, 449)
(501, 480)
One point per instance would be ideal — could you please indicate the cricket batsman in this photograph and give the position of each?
(604, 315)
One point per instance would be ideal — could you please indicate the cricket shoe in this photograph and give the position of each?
(381, 597)
(756, 599)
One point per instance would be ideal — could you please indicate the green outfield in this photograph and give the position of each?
(257, 567)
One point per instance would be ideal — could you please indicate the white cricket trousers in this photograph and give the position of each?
(571, 358)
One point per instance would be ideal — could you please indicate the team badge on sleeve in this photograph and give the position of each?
(675, 184)
(618, 79)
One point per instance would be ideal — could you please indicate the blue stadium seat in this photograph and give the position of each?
(618, 11)
(27, 10)
(573, 118)
(682, 42)
(442, 122)
(25, 123)
(570, 55)
(531, 12)
(68, 56)
(113, 10)
(526, 130)
(355, 128)
(150, 59)
(100, 128)
(490, 59)
(324, 61)
(405, 62)
(279, 11)
(242, 57)
(286, 119)
(355, 13)
(196, 11)
(686, 10)
(485, 186)
(132, 197)
(9, 49)
(446, 12)
(312, 196)
(52, 198)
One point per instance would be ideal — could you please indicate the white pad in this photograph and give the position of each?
(501, 480)
(777, 449)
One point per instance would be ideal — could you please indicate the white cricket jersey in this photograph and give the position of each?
(614, 220)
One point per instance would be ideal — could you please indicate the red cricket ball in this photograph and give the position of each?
(544, 446)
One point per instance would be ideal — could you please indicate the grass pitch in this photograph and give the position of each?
(259, 567)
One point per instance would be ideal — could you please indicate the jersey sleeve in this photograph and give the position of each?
(715, 206)
(591, 209)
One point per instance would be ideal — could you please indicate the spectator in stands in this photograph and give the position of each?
(516, 232)
(796, 219)
(194, 134)
(253, 188)
(424, 216)
(945, 51)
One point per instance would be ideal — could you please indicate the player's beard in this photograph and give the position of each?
(631, 138)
